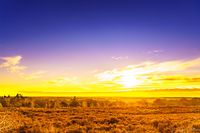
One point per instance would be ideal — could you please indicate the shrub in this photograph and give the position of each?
(27, 104)
(63, 104)
(51, 104)
(4, 102)
(75, 131)
(113, 120)
(196, 127)
(40, 104)
(159, 102)
(74, 103)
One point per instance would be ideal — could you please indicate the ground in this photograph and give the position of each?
(124, 119)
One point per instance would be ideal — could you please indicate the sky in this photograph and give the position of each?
(98, 45)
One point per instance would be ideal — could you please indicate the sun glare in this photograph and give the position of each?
(129, 81)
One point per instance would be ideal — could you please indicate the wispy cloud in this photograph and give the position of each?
(155, 51)
(13, 65)
(145, 73)
(34, 75)
(119, 57)
(61, 81)
(10, 61)
(181, 78)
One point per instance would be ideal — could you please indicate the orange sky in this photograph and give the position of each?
(172, 74)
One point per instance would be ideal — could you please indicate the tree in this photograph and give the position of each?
(74, 102)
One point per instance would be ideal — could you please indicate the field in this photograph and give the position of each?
(100, 115)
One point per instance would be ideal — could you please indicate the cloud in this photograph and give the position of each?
(155, 51)
(61, 81)
(15, 69)
(147, 72)
(34, 75)
(12, 64)
(180, 78)
(119, 57)
(93, 71)
(10, 61)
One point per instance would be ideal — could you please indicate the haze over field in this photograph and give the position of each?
(100, 48)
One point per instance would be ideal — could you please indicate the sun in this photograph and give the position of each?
(129, 81)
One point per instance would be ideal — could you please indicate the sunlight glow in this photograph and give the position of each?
(129, 81)
(170, 74)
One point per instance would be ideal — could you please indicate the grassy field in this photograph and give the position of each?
(94, 115)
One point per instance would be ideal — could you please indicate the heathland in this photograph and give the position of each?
(99, 115)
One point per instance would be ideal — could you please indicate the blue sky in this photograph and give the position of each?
(75, 37)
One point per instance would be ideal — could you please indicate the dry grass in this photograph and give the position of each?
(9, 120)
(124, 119)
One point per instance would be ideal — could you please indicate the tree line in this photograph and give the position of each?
(21, 101)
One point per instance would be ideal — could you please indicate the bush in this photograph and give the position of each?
(160, 102)
(113, 121)
(63, 104)
(15, 102)
(40, 104)
(4, 102)
(74, 103)
(27, 104)
(75, 131)
(51, 104)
